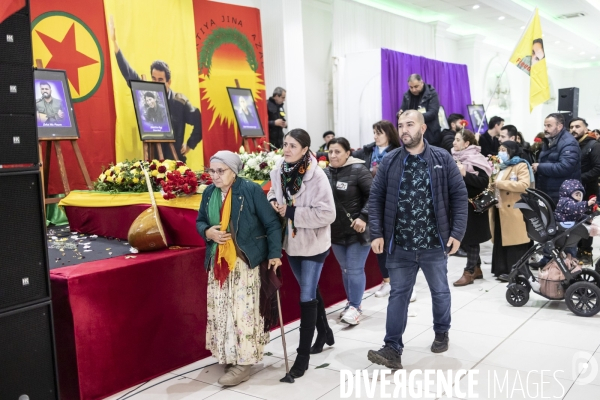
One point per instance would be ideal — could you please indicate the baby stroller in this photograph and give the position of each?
(561, 278)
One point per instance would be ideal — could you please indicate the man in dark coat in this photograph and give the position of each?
(489, 140)
(418, 215)
(423, 98)
(448, 135)
(510, 133)
(277, 119)
(590, 172)
(559, 158)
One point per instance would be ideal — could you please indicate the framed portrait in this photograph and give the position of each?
(245, 112)
(54, 110)
(477, 118)
(152, 110)
(442, 118)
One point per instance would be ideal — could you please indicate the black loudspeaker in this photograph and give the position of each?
(18, 140)
(27, 354)
(15, 39)
(568, 116)
(568, 100)
(16, 89)
(24, 276)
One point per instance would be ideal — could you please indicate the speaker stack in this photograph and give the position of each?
(568, 104)
(27, 351)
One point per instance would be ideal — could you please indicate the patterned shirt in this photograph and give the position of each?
(416, 226)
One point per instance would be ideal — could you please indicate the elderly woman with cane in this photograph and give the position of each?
(241, 231)
(300, 193)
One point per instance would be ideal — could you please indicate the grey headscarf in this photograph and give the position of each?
(228, 158)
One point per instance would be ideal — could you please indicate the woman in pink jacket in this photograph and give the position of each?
(300, 193)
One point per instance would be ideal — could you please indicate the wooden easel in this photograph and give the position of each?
(149, 149)
(45, 164)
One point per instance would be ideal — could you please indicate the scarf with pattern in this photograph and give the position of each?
(223, 256)
(291, 180)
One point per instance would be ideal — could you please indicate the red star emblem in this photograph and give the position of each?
(65, 55)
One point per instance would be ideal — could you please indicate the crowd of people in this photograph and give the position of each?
(405, 196)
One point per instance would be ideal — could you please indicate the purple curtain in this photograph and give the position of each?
(451, 81)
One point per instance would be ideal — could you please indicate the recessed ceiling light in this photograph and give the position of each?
(501, 17)
(476, 6)
(557, 42)
(582, 53)
(593, 57)
(570, 47)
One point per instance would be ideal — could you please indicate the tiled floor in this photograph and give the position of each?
(540, 350)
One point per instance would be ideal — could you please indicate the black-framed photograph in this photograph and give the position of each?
(152, 110)
(477, 118)
(442, 118)
(245, 112)
(54, 109)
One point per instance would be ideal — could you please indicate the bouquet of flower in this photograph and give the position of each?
(128, 176)
(258, 165)
(495, 164)
(204, 180)
(182, 181)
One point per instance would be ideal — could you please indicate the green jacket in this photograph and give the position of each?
(255, 223)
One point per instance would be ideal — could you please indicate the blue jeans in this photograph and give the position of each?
(403, 267)
(307, 273)
(352, 259)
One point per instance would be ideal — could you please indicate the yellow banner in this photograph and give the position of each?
(529, 56)
(140, 33)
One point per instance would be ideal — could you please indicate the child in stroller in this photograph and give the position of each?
(562, 277)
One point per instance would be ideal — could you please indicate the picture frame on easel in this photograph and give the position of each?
(246, 113)
(54, 108)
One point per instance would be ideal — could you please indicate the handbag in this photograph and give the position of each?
(484, 200)
(363, 237)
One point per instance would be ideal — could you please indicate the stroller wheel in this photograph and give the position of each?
(583, 299)
(589, 275)
(517, 295)
(524, 282)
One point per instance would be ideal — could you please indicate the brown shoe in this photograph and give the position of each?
(465, 280)
(478, 274)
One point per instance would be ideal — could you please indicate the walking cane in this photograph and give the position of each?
(287, 378)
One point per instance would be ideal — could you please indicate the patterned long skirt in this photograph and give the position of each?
(234, 329)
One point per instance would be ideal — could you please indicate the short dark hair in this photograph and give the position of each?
(390, 131)
(161, 66)
(512, 148)
(455, 117)
(468, 136)
(328, 133)
(415, 77)
(558, 117)
(495, 120)
(45, 83)
(301, 136)
(150, 94)
(342, 142)
(578, 119)
(511, 129)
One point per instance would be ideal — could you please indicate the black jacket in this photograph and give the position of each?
(431, 102)
(590, 165)
(366, 153)
(351, 185)
(489, 145)
(447, 141)
(478, 224)
(447, 187)
(182, 113)
(275, 112)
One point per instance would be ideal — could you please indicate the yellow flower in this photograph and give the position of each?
(101, 178)
(170, 165)
(135, 180)
(155, 173)
(110, 178)
(119, 179)
(136, 164)
(117, 169)
(182, 169)
(160, 176)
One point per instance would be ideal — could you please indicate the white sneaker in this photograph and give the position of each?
(413, 296)
(345, 310)
(351, 316)
(384, 290)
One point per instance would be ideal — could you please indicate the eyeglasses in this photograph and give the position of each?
(218, 171)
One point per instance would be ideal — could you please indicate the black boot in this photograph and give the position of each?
(308, 319)
(324, 332)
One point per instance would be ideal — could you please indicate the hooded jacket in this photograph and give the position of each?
(590, 164)
(351, 184)
(431, 103)
(568, 209)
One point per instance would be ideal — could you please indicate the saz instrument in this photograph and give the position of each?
(146, 232)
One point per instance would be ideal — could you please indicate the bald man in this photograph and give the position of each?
(418, 215)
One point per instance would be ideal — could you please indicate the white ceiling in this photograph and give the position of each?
(569, 43)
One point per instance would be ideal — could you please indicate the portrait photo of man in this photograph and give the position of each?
(245, 112)
(49, 109)
(154, 112)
